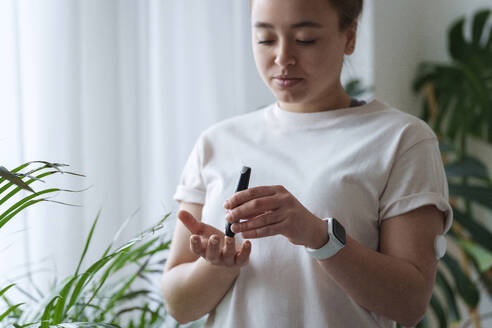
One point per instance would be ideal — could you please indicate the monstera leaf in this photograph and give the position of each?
(463, 88)
(458, 105)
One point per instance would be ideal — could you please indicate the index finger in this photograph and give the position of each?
(244, 196)
(189, 222)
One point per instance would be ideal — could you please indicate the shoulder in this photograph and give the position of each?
(397, 118)
(403, 127)
(237, 125)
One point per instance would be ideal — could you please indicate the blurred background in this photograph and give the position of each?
(121, 89)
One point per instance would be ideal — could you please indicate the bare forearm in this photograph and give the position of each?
(192, 290)
(380, 283)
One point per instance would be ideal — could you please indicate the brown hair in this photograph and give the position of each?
(348, 11)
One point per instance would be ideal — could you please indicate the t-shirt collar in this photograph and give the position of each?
(296, 120)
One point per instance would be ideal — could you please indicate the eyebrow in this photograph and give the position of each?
(302, 24)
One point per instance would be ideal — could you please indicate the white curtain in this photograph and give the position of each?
(119, 90)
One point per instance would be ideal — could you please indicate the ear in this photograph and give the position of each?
(351, 34)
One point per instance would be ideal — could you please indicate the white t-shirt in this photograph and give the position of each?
(360, 165)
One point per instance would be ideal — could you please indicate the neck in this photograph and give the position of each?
(336, 99)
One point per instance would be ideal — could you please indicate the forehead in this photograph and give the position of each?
(288, 12)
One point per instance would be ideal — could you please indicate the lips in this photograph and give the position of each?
(286, 82)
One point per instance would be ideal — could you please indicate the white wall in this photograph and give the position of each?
(407, 33)
(360, 64)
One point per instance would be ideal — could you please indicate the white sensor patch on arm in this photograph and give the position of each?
(440, 246)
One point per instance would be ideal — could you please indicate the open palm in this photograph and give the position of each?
(212, 244)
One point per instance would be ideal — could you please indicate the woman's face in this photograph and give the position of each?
(299, 48)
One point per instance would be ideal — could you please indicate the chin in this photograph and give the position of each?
(287, 96)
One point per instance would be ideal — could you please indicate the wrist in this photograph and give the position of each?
(231, 272)
(319, 236)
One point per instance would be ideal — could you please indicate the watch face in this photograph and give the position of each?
(338, 231)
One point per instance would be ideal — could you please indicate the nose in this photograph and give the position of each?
(284, 56)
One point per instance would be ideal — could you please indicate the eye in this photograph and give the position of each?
(265, 42)
(306, 42)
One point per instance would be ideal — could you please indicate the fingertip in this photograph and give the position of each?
(243, 256)
(188, 221)
(182, 215)
(246, 247)
(214, 239)
(195, 246)
(229, 217)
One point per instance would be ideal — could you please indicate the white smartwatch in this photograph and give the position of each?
(336, 241)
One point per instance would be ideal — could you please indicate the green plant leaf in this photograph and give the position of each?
(424, 323)
(4, 290)
(119, 254)
(9, 310)
(467, 166)
(445, 286)
(446, 146)
(465, 287)
(17, 169)
(478, 232)
(126, 286)
(120, 230)
(479, 194)
(59, 310)
(5, 217)
(439, 312)
(445, 102)
(463, 88)
(6, 174)
(456, 39)
(479, 21)
(355, 89)
(18, 189)
(86, 247)
(134, 294)
(87, 325)
(45, 319)
(484, 276)
(86, 278)
(482, 256)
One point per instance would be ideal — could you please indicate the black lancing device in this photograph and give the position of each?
(241, 185)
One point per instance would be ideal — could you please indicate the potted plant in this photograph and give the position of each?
(457, 104)
(114, 291)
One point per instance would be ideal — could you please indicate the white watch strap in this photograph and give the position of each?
(330, 248)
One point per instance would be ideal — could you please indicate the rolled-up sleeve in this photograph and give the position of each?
(191, 187)
(417, 178)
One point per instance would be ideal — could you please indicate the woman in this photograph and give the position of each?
(315, 155)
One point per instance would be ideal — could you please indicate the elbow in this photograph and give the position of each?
(418, 317)
(180, 317)
(167, 293)
(415, 306)
(182, 313)
(412, 322)
(173, 308)
(412, 318)
(174, 305)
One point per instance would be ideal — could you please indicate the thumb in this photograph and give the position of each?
(189, 221)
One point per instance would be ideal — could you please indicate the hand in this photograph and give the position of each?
(213, 245)
(272, 210)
